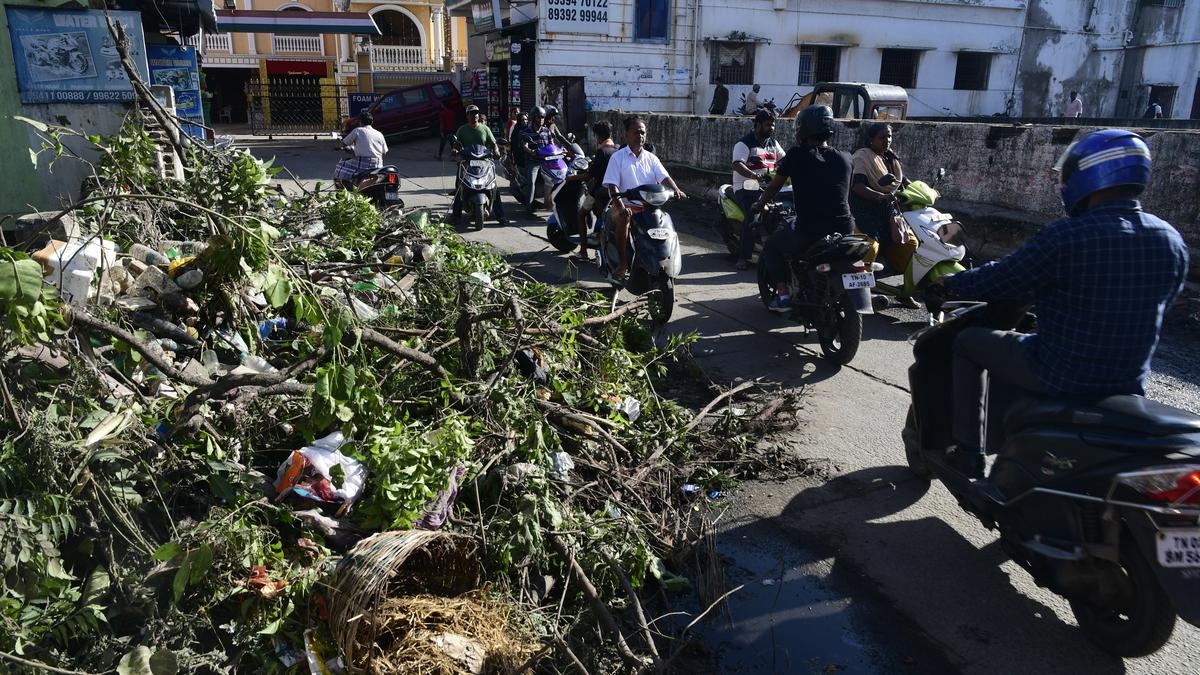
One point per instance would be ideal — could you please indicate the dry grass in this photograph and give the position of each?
(407, 631)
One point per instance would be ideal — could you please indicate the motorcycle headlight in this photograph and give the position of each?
(655, 198)
(580, 164)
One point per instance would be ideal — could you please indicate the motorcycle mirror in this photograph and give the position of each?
(950, 232)
(571, 137)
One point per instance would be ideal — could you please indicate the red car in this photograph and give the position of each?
(410, 109)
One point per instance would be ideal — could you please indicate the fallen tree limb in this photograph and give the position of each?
(602, 613)
(155, 358)
(658, 452)
(579, 420)
(643, 626)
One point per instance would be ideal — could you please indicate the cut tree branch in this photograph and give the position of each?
(658, 452)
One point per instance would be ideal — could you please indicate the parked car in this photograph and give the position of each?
(854, 100)
(411, 109)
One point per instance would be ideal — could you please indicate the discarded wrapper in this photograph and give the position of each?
(308, 473)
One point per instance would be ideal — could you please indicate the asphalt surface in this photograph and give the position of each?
(904, 549)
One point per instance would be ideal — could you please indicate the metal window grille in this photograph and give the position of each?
(733, 62)
(818, 64)
(1162, 3)
(652, 19)
(972, 71)
(899, 67)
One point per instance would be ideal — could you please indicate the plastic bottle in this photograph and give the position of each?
(147, 255)
(258, 364)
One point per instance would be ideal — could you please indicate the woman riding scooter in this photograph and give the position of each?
(877, 175)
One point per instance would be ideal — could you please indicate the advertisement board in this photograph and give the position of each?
(575, 16)
(176, 68)
(485, 15)
(359, 102)
(68, 56)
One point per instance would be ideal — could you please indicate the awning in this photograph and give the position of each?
(295, 21)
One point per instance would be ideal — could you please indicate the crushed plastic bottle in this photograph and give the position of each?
(258, 364)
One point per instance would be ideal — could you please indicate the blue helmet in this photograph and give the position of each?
(1103, 159)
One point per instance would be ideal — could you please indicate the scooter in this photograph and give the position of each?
(381, 185)
(932, 251)
(655, 259)
(566, 204)
(831, 290)
(476, 184)
(1099, 500)
(729, 223)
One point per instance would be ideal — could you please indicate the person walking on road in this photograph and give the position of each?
(1074, 107)
(448, 119)
(720, 101)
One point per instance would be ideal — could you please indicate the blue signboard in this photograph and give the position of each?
(360, 102)
(69, 56)
(176, 68)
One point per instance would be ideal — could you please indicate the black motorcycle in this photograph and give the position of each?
(476, 184)
(381, 185)
(831, 290)
(1098, 499)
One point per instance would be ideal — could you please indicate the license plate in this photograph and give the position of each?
(480, 163)
(1179, 547)
(858, 280)
(391, 195)
(658, 232)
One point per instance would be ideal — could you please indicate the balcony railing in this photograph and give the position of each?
(391, 58)
(213, 42)
(297, 44)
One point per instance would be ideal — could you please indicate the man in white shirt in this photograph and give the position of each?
(1074, 107)
(752, 105)
(755, 156)
(369, 149)
(630, 167)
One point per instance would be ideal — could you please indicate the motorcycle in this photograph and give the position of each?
(932, 251)
(381, 185)
(729, 223)
(655, 259)
(566, 202)
(1099, 500)
(831, 290)
(476, 184)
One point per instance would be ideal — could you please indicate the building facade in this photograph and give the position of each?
(419, 42)
(955, 57)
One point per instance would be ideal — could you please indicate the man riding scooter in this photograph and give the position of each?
(755, 156)
(369, 148)
(536, 135)
(1100, 281)
(820, 178)
(475, 132)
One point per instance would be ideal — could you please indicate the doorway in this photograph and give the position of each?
(1196, 101)
(567, 94)
(1165, 97)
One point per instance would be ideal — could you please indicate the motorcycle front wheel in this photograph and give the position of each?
(1144, 624)
(477, 216)
(841, 336)
(558, 239)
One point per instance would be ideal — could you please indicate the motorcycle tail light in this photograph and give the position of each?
(392, 178)
(823, 267)
(1169, 484)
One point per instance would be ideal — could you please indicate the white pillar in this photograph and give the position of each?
(250, 36)
(439, 38)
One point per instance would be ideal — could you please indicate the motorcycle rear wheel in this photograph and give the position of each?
(839, 342)
(1134, 631)
(558, 239)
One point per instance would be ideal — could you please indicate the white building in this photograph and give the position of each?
(955, 57)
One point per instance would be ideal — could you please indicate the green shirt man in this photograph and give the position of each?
(474, 132)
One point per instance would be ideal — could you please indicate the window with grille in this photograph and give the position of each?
(818, 64)
(1162, 3)
(899, 67)
(733, 62)
(651, 20)
(972, 71)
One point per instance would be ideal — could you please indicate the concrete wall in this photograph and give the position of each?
(991, 169)
(620, 72)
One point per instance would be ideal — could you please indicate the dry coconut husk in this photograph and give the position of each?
(433, 635)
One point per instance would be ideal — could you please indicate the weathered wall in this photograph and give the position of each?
(996, 166)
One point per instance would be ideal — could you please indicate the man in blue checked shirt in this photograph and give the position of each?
(1100, 281)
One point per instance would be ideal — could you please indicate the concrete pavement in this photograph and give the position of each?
(893, 536)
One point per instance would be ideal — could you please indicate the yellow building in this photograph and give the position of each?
(418, 42)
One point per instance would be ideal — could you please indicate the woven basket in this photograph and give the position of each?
(392, 564)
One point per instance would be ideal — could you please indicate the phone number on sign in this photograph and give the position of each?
(583, 15)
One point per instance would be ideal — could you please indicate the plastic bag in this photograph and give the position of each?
(309, 473)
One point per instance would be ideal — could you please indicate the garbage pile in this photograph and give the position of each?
(212, 392)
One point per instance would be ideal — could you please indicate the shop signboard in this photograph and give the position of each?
(69, 56)
(176, 67)
(485, 15)
(359, 102)
(574, 16)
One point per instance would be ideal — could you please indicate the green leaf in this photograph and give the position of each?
(276, 286)
(20, 279)
(166, 551)
(40, 126)
(201, 563)
(164, 662)
(136, 662)
(179, 584)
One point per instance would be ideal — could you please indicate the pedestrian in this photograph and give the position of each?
(1074, 107)
(751, 106)
(720, 101)
(449, 123)
(1153, 111)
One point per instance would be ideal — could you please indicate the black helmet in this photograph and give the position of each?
(537, 111)
(815, 121)
(551, 111)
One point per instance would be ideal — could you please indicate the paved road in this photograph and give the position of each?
(896, 539)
